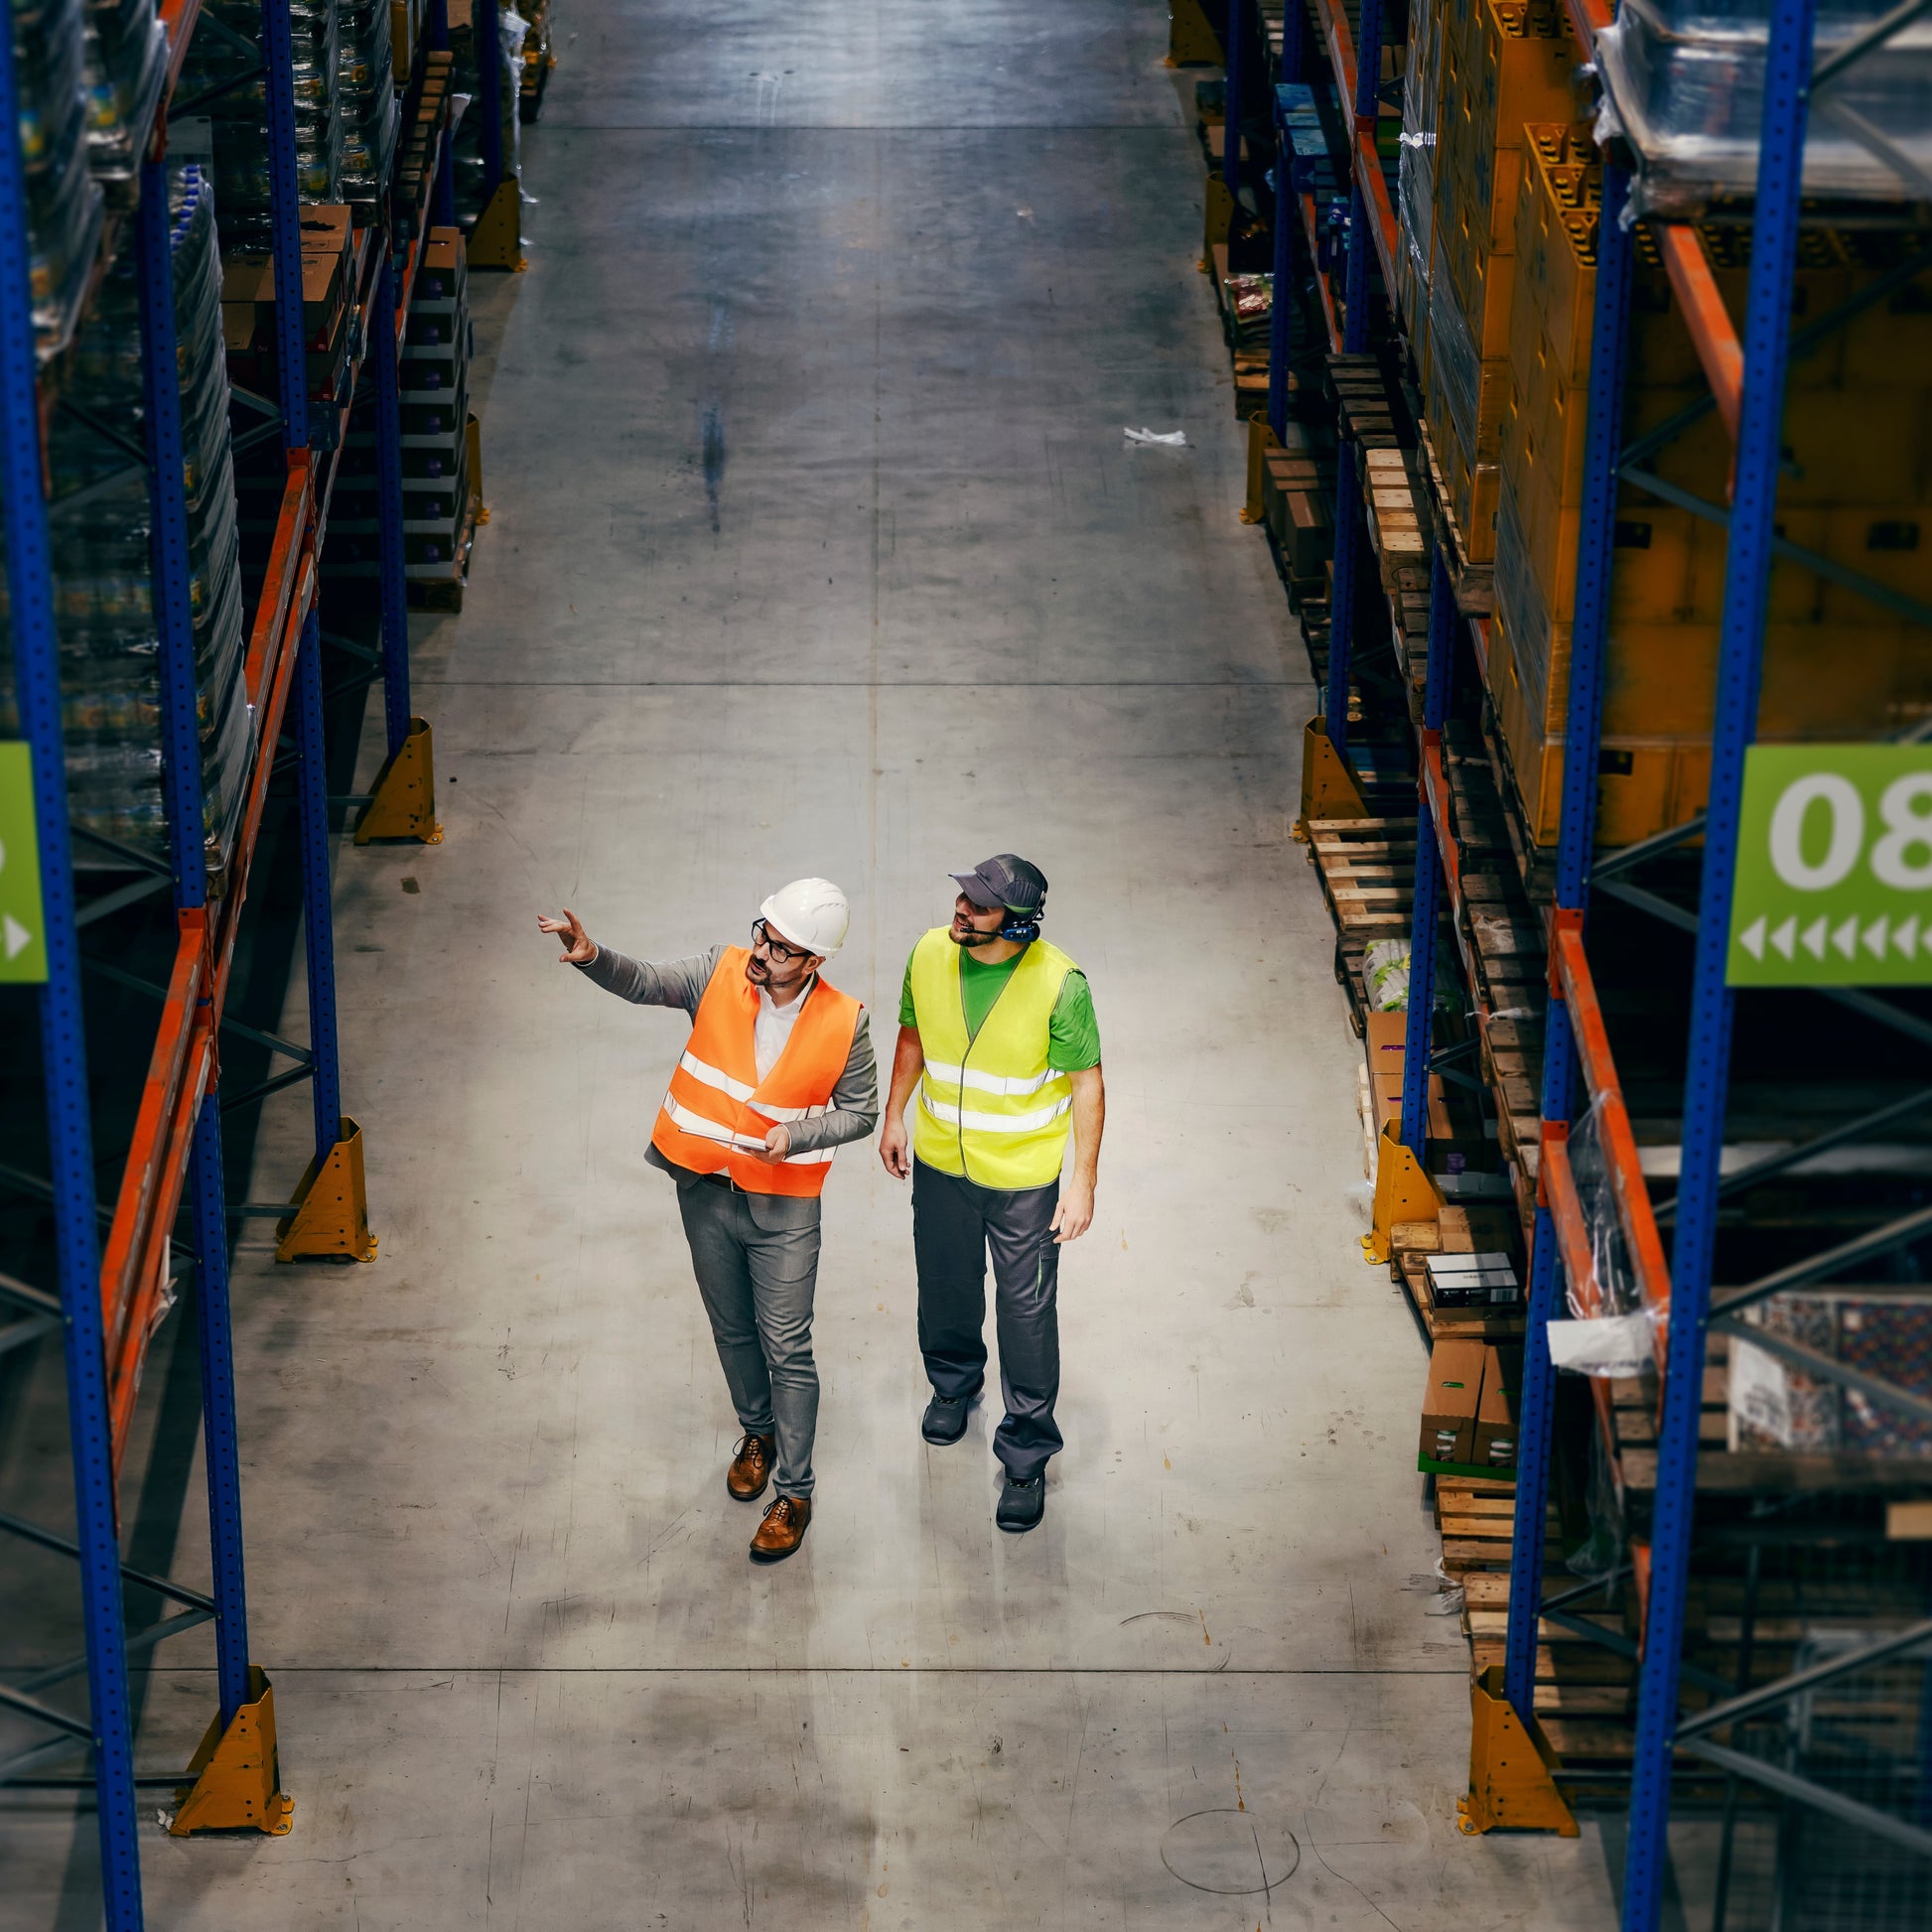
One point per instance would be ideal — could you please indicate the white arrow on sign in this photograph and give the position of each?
(16, 935)
(1905, 936)
(1753, 937)
(1844, 938)
(1786, 936)
(1814, 937)
(1876, 936)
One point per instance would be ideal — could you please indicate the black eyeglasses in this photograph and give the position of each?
(784, 955)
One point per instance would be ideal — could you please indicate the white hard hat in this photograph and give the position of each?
(811, 912)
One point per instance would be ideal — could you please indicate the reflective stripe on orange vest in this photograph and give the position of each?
(717, 1108)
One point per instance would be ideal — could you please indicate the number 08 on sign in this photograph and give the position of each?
(1834, 880)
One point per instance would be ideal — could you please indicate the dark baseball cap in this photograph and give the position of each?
(1005, 880)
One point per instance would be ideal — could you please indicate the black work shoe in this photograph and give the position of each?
(945, 1418)
(1022, 1504)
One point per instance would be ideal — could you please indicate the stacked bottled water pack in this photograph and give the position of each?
(101, 525)
(365, 70)
(125, 64)
(223, 80)
(64, 201)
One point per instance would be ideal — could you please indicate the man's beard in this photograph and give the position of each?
(974, 937)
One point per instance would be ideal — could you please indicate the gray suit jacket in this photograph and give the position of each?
(855, 1100)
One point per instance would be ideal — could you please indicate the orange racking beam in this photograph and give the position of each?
(278, 587)
(1557, 1182)
(1366, 162)
(1587, 19)
(145, 1307)
(178, 17)
(1310, 220)
(271, 698)
(1434, 790)
(144, 1179)
(1712, 331)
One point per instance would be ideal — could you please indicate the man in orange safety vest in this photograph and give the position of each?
(778, 1073)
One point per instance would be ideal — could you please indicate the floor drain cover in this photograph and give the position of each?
(1229, 1851)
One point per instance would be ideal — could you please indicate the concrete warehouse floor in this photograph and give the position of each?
(816, 546)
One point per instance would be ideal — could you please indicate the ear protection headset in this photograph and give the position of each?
(1022, 926)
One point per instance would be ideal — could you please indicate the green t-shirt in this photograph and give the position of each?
(1073, 1034)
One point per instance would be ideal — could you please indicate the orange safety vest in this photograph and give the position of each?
(717, 1105)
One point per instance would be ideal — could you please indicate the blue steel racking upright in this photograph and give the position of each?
(110, 1297)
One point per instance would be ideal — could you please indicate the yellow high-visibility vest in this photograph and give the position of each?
(990, 1107)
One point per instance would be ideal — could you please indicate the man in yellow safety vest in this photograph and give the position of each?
(997, 1032)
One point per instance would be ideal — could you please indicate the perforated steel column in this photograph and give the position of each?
(1706, 1075)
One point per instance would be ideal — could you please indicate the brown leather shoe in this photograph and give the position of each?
(783, 1528)
(751, 1467)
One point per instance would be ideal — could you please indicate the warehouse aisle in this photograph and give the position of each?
(816, 546)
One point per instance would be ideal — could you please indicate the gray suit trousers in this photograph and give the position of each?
(757, 1283)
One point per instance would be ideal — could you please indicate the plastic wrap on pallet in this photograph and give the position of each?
(100, 531)
(1684, 85)
(126, 63)
(365, 69)
(1611, 1333)
(471, 191)
(223, 78)
(64, 202)
(1521, 606)
(1457, 364)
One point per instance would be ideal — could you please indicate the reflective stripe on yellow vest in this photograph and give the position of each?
(990, 1106)
(717, 1107)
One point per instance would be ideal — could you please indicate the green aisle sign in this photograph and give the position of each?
(1833, 866)
(23, 940)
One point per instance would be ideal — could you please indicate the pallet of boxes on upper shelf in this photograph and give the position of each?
(1854, 490)
(1498, 64)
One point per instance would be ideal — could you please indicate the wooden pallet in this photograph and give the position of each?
(1475, 584)
(1367, 870)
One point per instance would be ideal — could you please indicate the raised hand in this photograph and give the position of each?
(579, 947)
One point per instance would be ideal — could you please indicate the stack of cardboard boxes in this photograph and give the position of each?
(331, 349)
(328, 286)
(1503, 64)
(1385, 1040)
(1296, 486)
(1470, 1408)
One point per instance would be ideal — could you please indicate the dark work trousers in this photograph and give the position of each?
(756, 1284)
(955, 1224)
